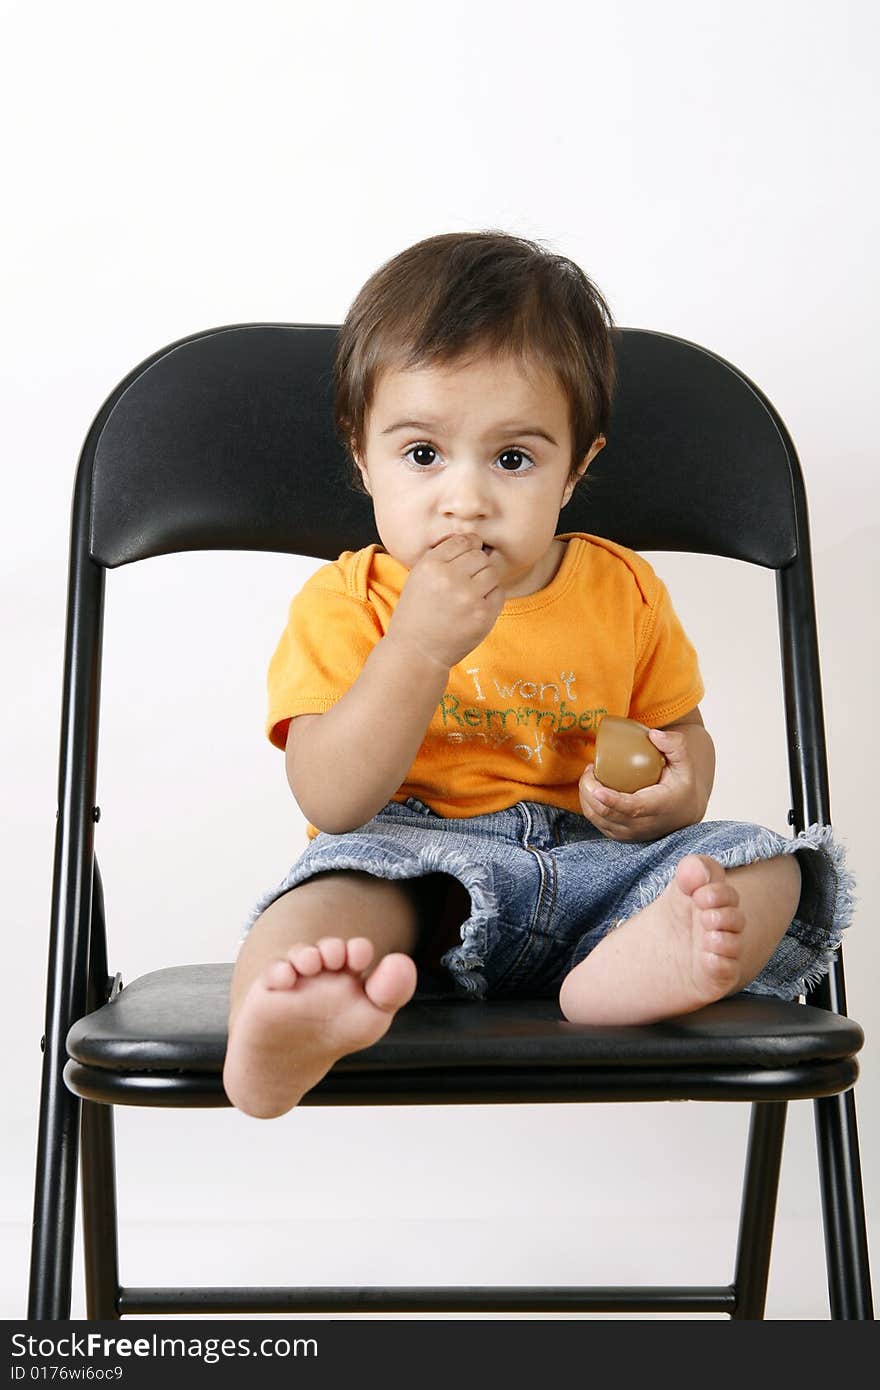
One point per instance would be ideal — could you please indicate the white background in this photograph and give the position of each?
(178, 166)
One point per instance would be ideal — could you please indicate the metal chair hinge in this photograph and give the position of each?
(96, 813)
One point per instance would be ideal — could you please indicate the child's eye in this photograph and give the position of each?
(509, 454)
(419, 449)
(516, 454)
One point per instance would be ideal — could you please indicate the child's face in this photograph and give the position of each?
(471, 464)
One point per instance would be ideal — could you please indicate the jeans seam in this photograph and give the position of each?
(514, 965)
(554, 888)
(531, 935)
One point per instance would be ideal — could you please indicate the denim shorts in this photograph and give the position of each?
(541, 887)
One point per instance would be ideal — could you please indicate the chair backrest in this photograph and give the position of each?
(225, 440)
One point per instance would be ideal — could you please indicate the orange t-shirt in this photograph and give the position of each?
(519, 716)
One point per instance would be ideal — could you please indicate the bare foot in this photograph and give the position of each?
(674, 956)
(306, 1011)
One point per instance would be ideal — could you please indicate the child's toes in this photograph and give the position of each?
(305, 958)
(696, 871)
(706, 895)
(393, 982)
(360, 952)
(280, 975)
(728, 920)
(716, 894)
(723, 943)
(332, 949)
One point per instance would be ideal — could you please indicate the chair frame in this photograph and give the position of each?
(76, 1107)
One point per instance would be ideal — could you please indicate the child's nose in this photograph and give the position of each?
(465, 498)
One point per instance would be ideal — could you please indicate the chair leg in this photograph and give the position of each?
(100, 1246)
(54, 1196)
(758, 1209)
(843, 1208)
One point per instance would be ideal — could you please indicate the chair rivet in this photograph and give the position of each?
(96, 813)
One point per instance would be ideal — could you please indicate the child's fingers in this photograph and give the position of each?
(672, 744)
(613, 826)
(589, 790)
(665, 738)
(594, 815)
(615, 804)
(606, 797)
(604, 808)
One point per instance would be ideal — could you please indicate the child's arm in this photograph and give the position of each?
(680, 797)
(343, 766)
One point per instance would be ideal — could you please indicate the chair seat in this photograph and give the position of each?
(171, 1025)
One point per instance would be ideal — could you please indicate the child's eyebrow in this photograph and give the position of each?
(497, 431)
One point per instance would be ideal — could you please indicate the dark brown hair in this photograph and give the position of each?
(460, 295)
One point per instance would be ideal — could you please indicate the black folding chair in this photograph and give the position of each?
(212, 443)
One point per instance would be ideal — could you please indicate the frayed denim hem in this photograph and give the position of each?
(464, 961)
(825, 909)
(540, 881)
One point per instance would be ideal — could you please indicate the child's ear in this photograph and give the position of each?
(571, 485)
(598, 443)
(362, 469)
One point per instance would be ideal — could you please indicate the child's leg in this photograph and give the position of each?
(320, 974)
(707, 935)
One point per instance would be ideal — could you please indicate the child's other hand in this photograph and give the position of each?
(653, 812)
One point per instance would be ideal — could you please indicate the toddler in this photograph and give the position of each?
(438, 697)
